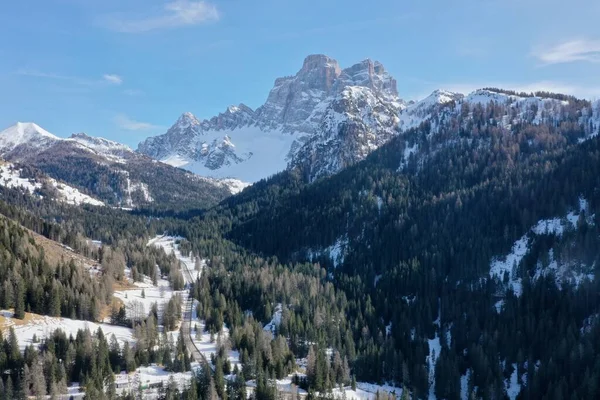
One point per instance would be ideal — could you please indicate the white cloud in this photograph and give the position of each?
(66, 78)
(587, 50)
(174, 14)
(124, 122)
(112, 78)
(75, 80)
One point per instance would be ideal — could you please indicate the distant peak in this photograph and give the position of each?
(232, 109)
(80, 135)
(319, 59)
(188, 116)
(321, 63)
(29, 128)
(29, 125)
(187, 119)
(444, 96)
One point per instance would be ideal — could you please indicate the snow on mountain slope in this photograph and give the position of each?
(447, 112)
(25, 133)
(234, 186)
(12, 177)
(565, 269)
(121, 176)
(325, 118)
(25, 139)
(251, 145)
(533, 109)
(248, 154)
(423, 110)
(42, 326)
(355, 123)
(112, 150)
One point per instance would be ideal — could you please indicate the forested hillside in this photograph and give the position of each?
(458, 260)
(408, 247)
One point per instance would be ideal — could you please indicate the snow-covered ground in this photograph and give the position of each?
(500, 267)
(261, 152)
(43, 327)
(464, 385)
(408, 151)
(233, 185)
(435, 347)
(138, 306)
(513, 386)
(206, 346)
(11, 177)
(336, 252)
(276, 320)
(150, 376)
(364, 391)
(200, 338)
(553, 226)
(170, 245)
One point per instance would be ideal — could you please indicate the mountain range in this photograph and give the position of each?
(109, 172)
(447, 248)
(321, 120)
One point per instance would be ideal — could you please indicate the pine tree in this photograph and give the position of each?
(9, 389)
(219, 378)
(38, 381)
(20, 300)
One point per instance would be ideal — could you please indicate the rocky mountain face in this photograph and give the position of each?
(108, 171)
(322, 110)
(325, 118)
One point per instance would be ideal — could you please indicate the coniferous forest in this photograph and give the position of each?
(379, 273)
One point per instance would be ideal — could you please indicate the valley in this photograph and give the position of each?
(335, 242)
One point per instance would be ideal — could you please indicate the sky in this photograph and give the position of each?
(126, 69)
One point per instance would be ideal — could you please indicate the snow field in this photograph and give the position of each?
(43, 327)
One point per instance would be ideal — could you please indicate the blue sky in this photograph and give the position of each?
(126, 69)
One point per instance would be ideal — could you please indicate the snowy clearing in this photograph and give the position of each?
(43, 327)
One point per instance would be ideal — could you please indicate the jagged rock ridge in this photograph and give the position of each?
(319, 105)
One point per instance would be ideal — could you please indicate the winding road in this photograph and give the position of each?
(188, 312)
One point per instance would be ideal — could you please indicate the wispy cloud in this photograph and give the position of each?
(587, 50)
(58, 77)
(174, 14)
(129, 124)
(112, 78)
(75, 80)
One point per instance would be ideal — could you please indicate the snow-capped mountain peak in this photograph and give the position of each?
(298, 108)
(104, 147)
(370, 74)
(187, 120)
(423, 110)
(441, 96)
(25, 134)
(100, 144)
